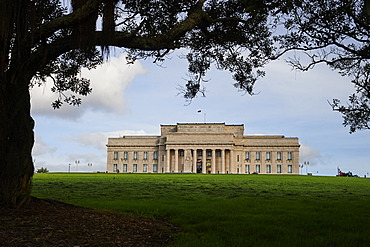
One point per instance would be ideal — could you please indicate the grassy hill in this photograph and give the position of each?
(229, 210)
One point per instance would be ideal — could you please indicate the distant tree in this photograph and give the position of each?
(42, 39)
(335, 32)
(42, 170)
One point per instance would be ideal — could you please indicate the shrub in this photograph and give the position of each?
(42, 170)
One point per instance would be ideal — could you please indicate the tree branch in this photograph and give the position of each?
(70, 20)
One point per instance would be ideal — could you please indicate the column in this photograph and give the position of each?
(194, 170)
(187, 160)
(231, 161)
(168, 159)
(176, 163)
(204, 159)
(213, 166)
(222, 161)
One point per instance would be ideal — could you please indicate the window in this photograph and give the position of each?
(145, 168)
(115, 156)
(135, 155)
(218, 153)
(290, 155)
(124, 167)
(145, 155)
(200, 153)
(278, 168)
(135, 168)
(247, 169)
(258, 155)
(114, 167)
(237, 158)
(258, 168)
(155, 168)
(209, 153)
(268, 168)
(290, 169)
(181, 153)
(125, 155)
(278, 156)
(247, 155)
(268, 155)
(155, 155)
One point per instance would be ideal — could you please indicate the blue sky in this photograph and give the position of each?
(136, 99)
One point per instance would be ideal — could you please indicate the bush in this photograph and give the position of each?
(42, 170)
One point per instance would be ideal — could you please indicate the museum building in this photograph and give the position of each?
(216, 148)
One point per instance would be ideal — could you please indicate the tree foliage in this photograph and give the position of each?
(42, 39)
(337, 33)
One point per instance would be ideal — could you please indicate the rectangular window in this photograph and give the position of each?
(258, 155)
(247, 169)
(237, 158)
(268, 155)
(278, 168)
(155, 155)
(145, 168)
(247, 155)
(290, 169)
(258, 168)
(125, 155)
(200, 153)
(181, 153)
(135, 155)
(124, 167)
(290, 155)
(278, 156)
(114, 167)
(209, 153)
(218, 153)
(155, 168)
(134, 168)
(115, 156)
(268, 168)
(145, 155)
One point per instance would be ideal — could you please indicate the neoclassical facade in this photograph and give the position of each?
(215, 148)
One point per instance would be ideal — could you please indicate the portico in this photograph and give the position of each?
(198, 160)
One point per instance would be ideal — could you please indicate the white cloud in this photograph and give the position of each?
(311, 155)
(108, 81)
(98, 140)
(41, 148)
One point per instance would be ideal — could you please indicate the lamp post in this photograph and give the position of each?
(69, 168)
(89, 165)
(301, 167)
(77, 162)
(306, 163)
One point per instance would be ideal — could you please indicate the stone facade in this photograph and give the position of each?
(215, 148)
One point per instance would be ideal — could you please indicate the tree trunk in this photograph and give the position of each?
(16, 140)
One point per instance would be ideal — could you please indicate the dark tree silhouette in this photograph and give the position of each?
(42, 39)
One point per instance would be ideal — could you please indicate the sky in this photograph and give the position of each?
(137, 99)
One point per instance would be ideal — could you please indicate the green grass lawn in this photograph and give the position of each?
(229, 210)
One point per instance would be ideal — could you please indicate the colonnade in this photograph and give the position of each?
(190, 160)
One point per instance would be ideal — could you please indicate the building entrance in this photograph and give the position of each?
(199, 166)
